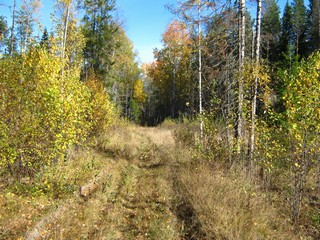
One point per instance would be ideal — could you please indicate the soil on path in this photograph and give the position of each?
(133, 197)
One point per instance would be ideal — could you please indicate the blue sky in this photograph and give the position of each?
(143, 20)
(146, 20)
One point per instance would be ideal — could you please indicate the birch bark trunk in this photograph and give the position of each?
(242, 34)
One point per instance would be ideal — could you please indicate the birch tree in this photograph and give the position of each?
(12, 30)
(195, 13)
(255, 87)
(70, 40)
(242, 38)
(27, 18)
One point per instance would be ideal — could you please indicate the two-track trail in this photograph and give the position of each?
(132, 195)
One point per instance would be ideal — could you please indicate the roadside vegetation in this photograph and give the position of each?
(217, 138)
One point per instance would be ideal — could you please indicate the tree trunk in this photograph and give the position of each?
(242, 34)
(255, 92)
(12, 28)
(173, 92)
(65, 30)
(200, 73)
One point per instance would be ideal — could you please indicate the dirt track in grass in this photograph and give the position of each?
(134, 193)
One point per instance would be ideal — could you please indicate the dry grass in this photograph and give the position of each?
(132, 200)
(229, 207)
(40, 204)
(148, 188)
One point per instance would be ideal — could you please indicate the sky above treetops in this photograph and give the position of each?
(143, 20)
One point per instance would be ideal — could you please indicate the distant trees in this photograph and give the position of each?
(121, 78)
(98, 29)
(3, 32)
(254, 76)
(270, 31)
(26, 19)
(171, 70)
(54, 89)
(315, 23)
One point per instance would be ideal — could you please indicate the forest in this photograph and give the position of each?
(217, 138)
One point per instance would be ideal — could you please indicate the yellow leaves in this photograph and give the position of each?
(301, 97)
(138, 91)
(42, 111)
(101, 111)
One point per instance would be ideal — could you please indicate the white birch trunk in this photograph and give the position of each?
(255, 93)
(200, 73)
(65, 30)
(12, 28)
(242, 34)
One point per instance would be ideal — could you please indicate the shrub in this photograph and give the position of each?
(44, 110)
(103, 111)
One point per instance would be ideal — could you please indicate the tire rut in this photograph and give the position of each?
(147, 208)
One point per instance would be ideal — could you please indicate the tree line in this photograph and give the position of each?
(252, 81)
(87, 33)
(61, 87)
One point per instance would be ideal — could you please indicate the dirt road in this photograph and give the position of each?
(132, 195)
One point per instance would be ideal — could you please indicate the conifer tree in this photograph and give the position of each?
(287, 34)
(315, 24)
(3, 31)
(98, 30)
(45, 39)
(271, 29)
(300, 20)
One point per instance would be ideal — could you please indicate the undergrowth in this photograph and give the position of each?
(229, 203)
(153, 183)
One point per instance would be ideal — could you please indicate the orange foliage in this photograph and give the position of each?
(176, 34)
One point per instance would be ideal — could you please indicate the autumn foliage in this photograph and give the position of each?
(45, 110)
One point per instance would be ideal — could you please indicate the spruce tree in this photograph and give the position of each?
(3, 32)
(300, 20)
(98, 30)
(287, 34)
(315, 24)
(45, 39)
(271, 30)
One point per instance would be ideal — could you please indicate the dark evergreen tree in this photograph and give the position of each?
(98, 30)
(45, 39)
(3, 32)
(315, 24)
(271, 30)
(300, 20)
(287, 34)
